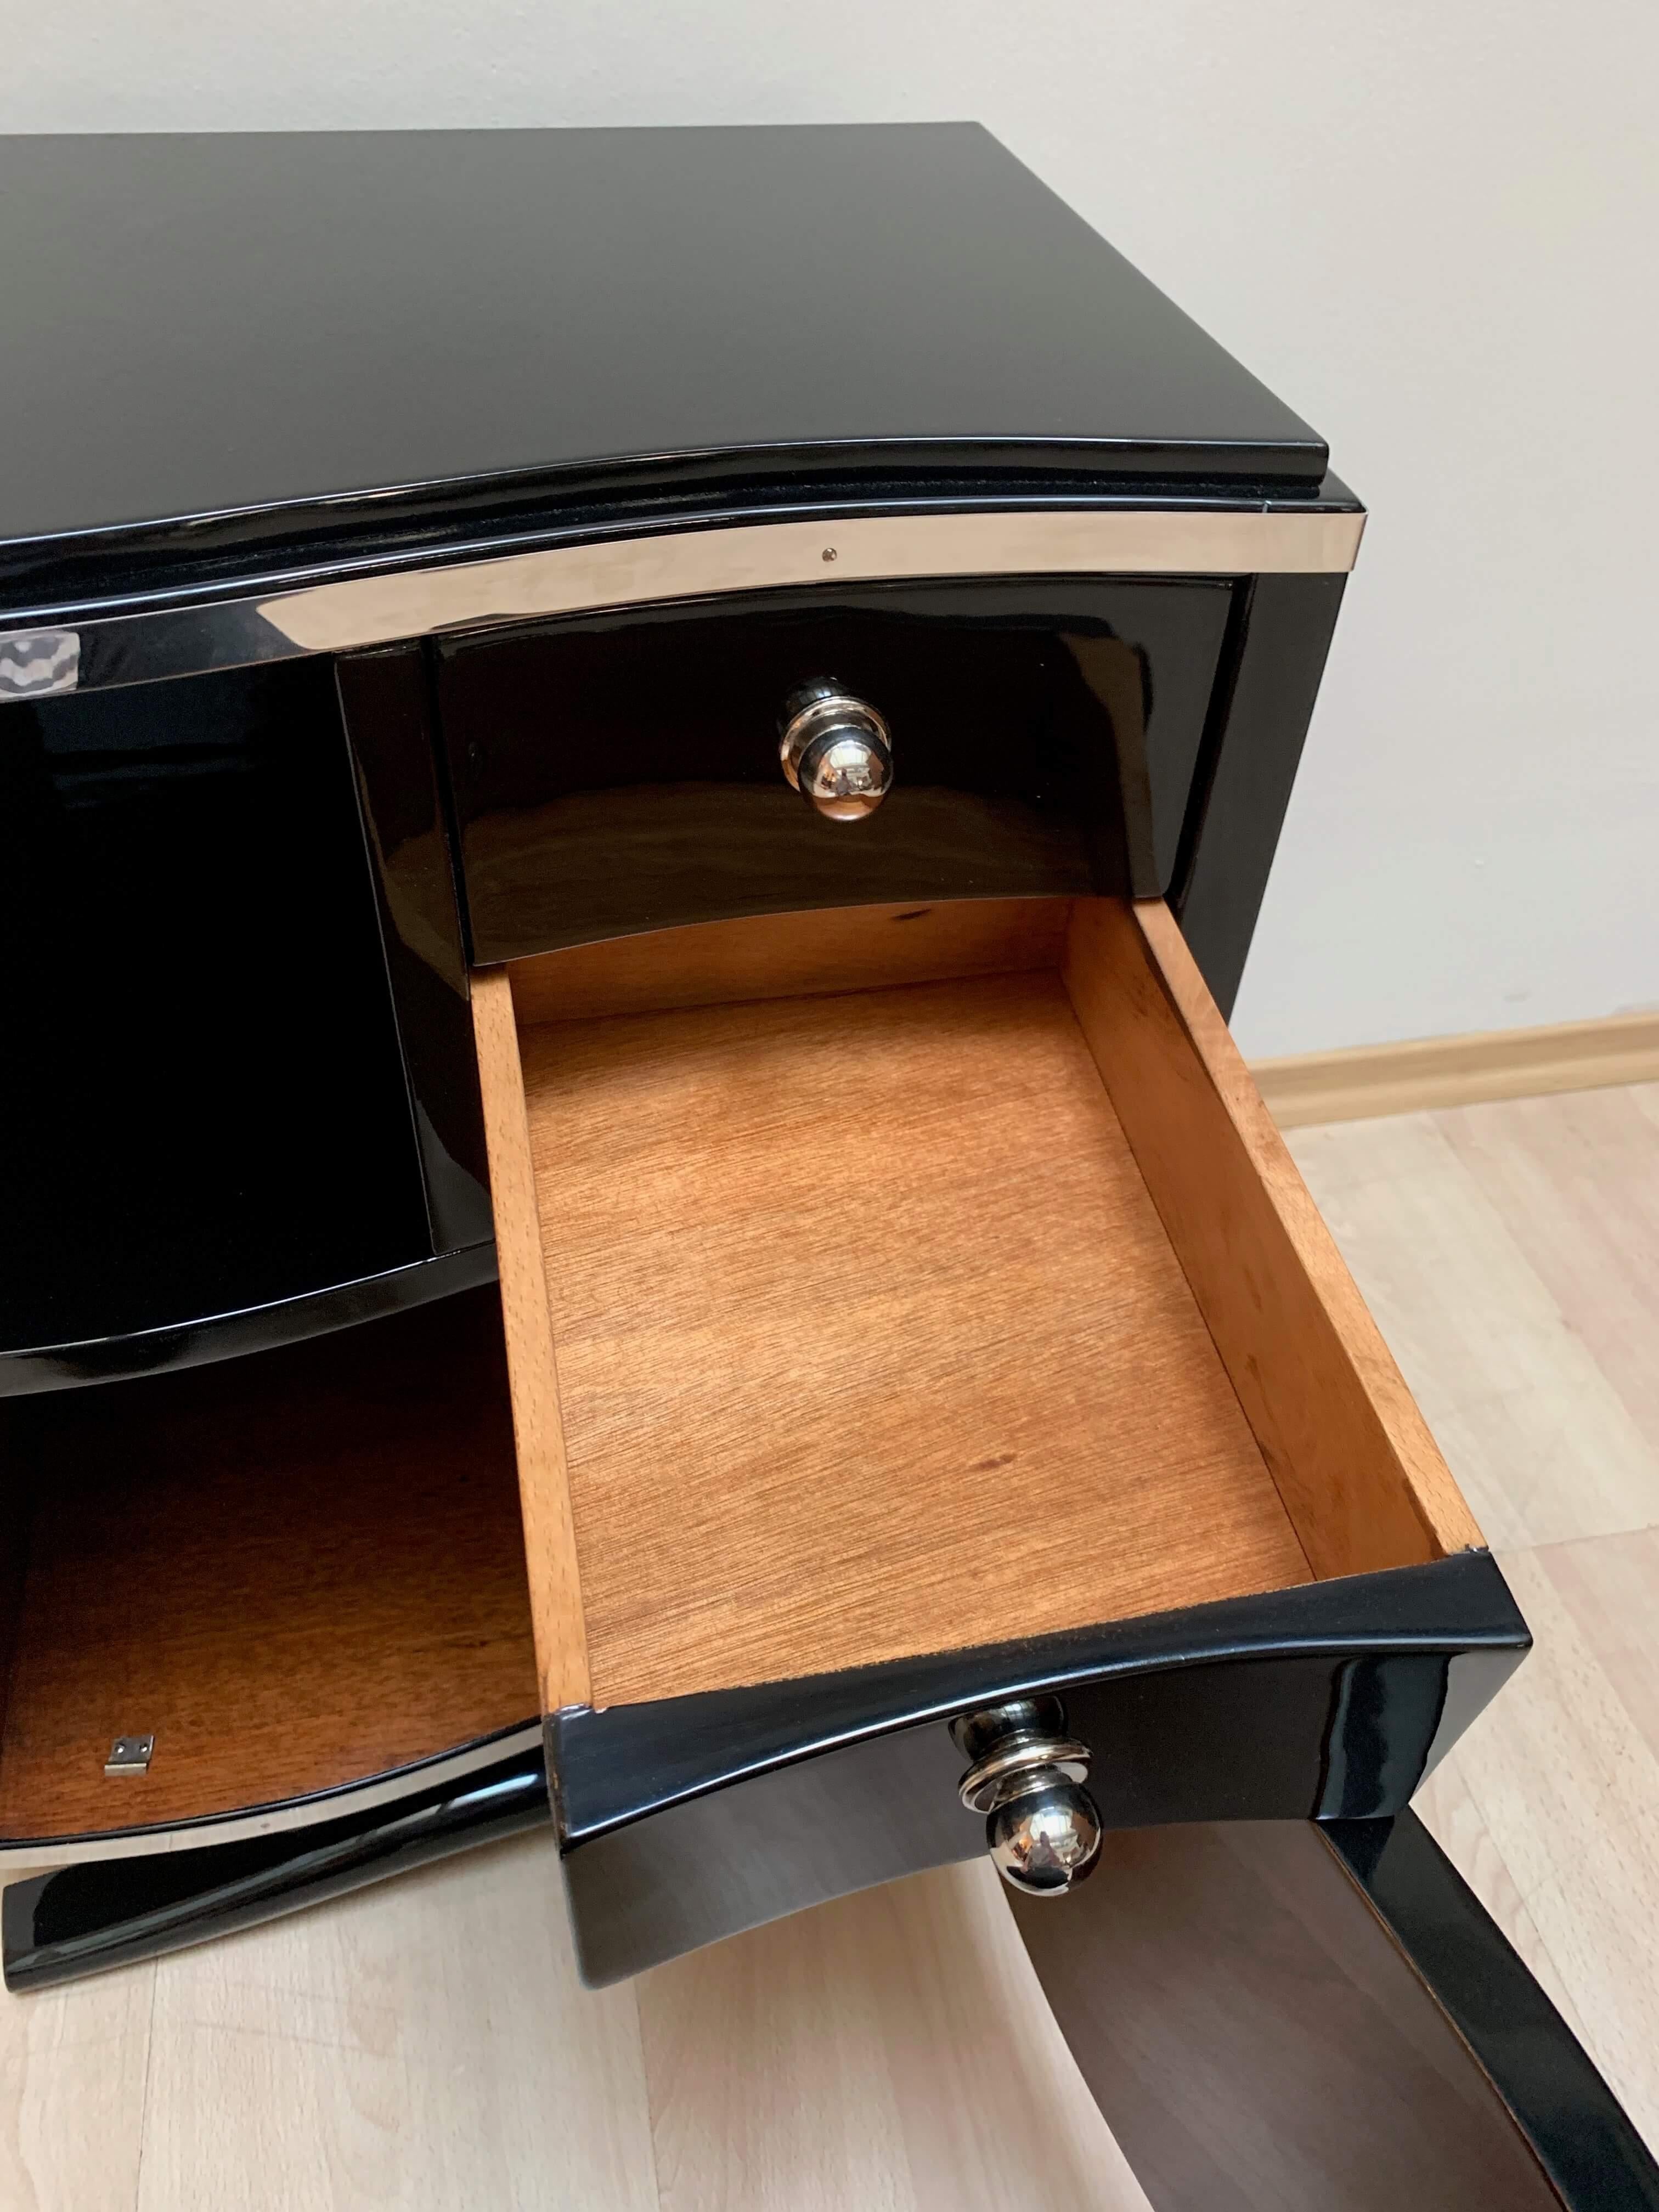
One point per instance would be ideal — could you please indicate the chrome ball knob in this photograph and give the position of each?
(1047, 1842)
(1042, 1828)
(836, 750)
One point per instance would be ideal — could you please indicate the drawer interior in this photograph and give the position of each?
(890, 1280)
(297, 1571)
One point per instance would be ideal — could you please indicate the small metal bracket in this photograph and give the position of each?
(130, 1754)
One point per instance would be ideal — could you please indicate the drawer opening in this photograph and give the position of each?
(297, 1570)
(888, 1281)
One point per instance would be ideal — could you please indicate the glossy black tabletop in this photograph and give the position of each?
(221, 326)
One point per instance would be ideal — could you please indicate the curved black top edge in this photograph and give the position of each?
(616, 1765)
(779, 472)
(29, 1370)
(359, 319)
(200, 560)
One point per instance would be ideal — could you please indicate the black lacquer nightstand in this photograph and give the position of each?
(697, 721)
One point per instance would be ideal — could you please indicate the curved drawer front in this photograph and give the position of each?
(686, 1821)
(620, 772)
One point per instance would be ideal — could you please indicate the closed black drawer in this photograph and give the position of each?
(620, 772)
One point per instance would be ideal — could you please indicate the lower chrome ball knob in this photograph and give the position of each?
(1042, 1828)
(835, 750)
(1047, 1843)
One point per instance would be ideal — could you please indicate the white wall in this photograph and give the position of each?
(1432, 226)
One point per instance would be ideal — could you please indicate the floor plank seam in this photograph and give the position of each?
(645, 2069)
(143, 2100)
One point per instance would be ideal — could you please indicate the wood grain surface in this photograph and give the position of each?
(869, 1340)
(424, 2046)
(17, 1457)
(1508, 1249)
(295, 1569)
(774, 956)
(1361, 1476)
(1575, 1180)
(538, 1422)
(1518, 1285)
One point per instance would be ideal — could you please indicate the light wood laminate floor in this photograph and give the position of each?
(425, 2044)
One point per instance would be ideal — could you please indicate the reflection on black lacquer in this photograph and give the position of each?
(204, 1106)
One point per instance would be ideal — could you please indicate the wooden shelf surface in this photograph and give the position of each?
(296, 1570)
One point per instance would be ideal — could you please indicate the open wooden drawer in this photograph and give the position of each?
(904, 1305)
(907, 1310)
(848, 1322)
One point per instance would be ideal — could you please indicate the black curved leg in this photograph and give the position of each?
(1288, 2014)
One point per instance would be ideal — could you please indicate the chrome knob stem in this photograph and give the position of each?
(836, 750)
(1043, 1829)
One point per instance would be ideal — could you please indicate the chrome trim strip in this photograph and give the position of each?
(695, 564)
(21, 1852)
(348, 613)
(164, 641)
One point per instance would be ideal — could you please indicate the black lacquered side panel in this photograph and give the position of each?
(204, 1109)
(620, 772)
(386, 700)
(1275, 656)
(688, 1819)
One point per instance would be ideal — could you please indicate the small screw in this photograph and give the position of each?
(829, 552)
